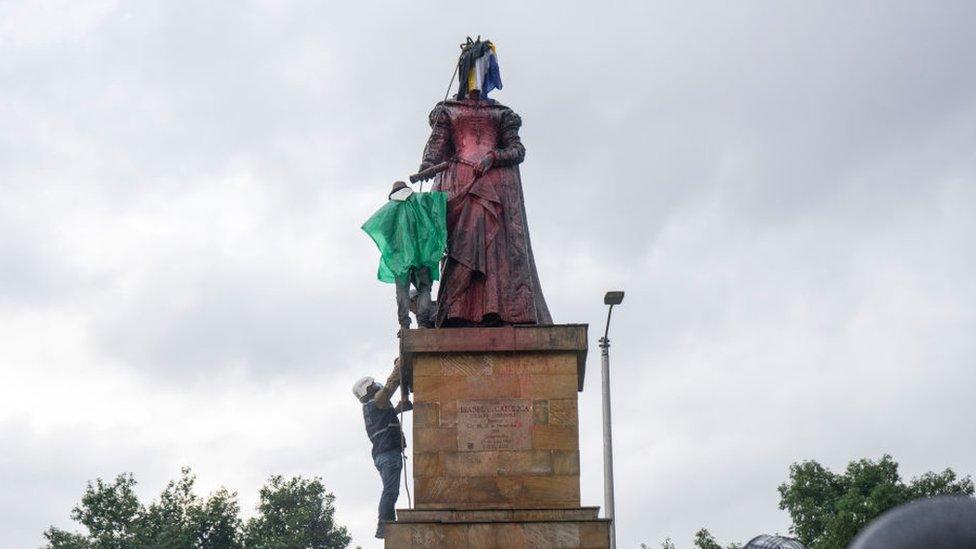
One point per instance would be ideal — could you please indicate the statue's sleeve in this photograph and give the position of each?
(439, 147)
(511, 151)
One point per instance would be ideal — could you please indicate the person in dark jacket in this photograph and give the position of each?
(384, 432)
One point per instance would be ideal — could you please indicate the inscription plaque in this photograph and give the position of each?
(495, 424)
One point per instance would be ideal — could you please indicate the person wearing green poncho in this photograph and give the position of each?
(411, 233)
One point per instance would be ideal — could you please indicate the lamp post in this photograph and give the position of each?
(611, 299)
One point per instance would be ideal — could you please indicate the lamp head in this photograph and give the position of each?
(613, 298)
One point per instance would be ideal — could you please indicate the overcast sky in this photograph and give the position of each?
(786, 191)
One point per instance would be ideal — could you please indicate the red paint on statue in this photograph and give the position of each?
(489, 275)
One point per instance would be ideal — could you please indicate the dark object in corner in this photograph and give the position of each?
(943, 522)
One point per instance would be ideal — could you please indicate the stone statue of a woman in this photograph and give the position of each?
(489, 276)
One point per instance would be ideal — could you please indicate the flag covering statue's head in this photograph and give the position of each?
(478, 68)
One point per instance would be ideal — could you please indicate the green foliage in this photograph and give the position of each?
(296, 513)
(705, 540)
(937, 484)
(108, 511)
(181, 519)
(293, 513)
(829, 509)
(60, 539)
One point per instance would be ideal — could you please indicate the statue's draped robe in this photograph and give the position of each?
(489, 275)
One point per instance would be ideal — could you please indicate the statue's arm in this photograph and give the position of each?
(511, 151)
(439, 146)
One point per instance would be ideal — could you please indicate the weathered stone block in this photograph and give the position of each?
(438, 388)
(427, 465)
(563, 412)
(565, 462)
(489, 387)
(551, 534)
(480, 535)
(448, 413)
(496, 417)
(561, 533)
(540, 412)
(538, 363)
(498, 528)
(594, 535)
(547, 386)
(472, 516)
(426, 414)
(555, 491)
(400, 535)
(433, 439)
(555, 437)
(477, 464)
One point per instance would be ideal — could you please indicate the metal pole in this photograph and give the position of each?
(607, 435)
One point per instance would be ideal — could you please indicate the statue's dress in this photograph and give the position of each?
(489, 275)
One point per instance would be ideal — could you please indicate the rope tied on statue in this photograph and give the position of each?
(404, 397)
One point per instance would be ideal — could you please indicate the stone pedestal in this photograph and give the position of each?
(496, 439)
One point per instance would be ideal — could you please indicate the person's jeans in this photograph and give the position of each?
(389, 464)
(421, 279)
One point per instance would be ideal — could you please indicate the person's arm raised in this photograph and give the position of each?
(382, 397)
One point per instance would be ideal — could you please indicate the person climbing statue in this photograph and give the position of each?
(386, 435)
(410, 231)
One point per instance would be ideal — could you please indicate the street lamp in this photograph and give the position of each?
(611, 299)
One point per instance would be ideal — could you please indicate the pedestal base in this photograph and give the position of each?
(498, 528)
(495, 416)
(496, 440)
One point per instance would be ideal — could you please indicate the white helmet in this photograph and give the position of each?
(362, 386)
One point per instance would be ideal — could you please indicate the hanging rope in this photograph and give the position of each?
(453, 74)
(403, 451)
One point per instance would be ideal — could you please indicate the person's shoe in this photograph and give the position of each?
(381, 530)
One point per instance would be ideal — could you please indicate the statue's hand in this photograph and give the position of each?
(484, 164)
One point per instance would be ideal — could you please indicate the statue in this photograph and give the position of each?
(489, 276)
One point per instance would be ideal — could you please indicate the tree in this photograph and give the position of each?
(705, 540)
(296, 513)
(108, 511)
(182, 519)
(829, 509)
(293, 513)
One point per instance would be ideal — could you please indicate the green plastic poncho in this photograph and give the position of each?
(410, 234)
